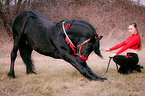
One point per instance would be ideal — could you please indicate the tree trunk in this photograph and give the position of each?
(5, 16)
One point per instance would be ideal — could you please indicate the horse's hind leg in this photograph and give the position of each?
(13, 57)
(25, 52)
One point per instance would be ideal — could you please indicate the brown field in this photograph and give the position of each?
(58, 78)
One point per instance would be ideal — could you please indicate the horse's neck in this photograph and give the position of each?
(50, 23)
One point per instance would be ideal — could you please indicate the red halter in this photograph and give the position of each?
(78, 54)
(72, 45)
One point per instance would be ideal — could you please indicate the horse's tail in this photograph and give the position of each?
(25, 52)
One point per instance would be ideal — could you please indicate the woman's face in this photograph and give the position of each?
(132, 29)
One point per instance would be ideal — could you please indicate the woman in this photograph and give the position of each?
(128, 62)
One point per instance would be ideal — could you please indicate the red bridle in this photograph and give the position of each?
(78, 54)
(72, 45)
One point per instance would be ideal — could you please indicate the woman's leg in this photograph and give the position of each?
(126, 63)
(121, 60)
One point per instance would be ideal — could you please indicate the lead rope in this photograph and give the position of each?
(108, 67)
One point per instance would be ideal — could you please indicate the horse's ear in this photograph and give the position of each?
(59, 23)
(100, 37)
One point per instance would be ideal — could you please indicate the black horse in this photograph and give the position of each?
(72, 41)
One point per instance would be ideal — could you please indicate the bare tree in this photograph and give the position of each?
(138, 2)
(4, 15)
(8, 11)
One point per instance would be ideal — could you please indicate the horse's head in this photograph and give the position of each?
(86, 46)
(96, 46)
(84, 37)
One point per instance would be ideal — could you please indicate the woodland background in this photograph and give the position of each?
(109, 17)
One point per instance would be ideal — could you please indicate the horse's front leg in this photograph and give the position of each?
(85, 71)
(92, 73)
(82, 68)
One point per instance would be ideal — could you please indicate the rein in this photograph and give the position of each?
(108, 67)
(73, 46)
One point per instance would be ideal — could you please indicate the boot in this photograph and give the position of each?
(138, 68)
(123, 70)
(120, 70)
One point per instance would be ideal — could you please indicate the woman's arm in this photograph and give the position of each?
(117, 46)
(131, 43)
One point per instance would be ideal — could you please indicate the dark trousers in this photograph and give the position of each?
(127, 63)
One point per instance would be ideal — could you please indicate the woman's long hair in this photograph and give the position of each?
(135, 25)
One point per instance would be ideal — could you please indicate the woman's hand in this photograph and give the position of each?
(106, 50)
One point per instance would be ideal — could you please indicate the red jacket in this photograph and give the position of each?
(131, 42)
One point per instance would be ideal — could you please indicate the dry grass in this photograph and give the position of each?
(59, 78)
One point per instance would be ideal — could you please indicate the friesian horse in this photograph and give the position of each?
(72, 41)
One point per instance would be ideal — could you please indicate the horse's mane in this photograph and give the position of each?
(93, 29)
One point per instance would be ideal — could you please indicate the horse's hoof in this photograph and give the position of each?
(11, 75)
(103, 79)
(31, 72)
